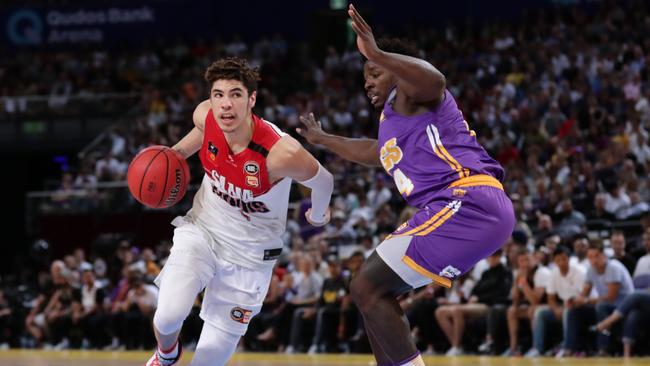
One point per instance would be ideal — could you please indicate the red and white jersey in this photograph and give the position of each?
(241, 210)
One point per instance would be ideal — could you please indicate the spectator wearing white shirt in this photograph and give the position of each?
(566, 282)
(580, 245)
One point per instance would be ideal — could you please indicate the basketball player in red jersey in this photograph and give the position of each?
(230, 239)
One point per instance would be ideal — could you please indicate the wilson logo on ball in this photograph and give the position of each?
(174, 192)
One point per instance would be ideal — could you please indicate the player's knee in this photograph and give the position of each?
(168, 320)
(362, 292)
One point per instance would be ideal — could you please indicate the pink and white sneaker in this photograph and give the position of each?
(158, 360)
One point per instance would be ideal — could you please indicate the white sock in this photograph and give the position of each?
(418, 361)
(169, 354)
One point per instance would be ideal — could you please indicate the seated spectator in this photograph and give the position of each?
(328, 310)
(58, 312)
(618, 244)
(134, 314)
(528, 292)
(571, 222)
(612, 283)
(88, 311)
(36, 320)
(419, 307)
(600, 211)
(566, 282)
(635, 312)
(302, 290)
(580, 245)
(643, 265)
(492, 288)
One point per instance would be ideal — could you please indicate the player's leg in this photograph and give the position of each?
(188, 270)
(232, 298)
(215, 346)
(374, 290)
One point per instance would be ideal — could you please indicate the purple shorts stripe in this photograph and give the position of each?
(454, 231)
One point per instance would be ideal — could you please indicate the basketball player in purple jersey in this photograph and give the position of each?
(438, 166)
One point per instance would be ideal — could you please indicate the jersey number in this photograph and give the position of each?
(390, 155)
(403, 183)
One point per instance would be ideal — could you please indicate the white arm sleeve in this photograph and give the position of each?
(322, 185)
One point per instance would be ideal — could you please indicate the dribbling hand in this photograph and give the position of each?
(365, 39)
(313, 130)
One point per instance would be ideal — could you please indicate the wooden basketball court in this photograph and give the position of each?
(98, 358)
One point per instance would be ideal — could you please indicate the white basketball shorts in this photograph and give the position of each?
(233, 294)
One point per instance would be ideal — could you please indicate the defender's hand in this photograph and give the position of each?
(365, 39)
(313, 130)
(325, 221)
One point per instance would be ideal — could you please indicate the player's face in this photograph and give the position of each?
(378, 83)
(231, 104)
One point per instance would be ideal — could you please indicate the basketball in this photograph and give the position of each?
(158, 177)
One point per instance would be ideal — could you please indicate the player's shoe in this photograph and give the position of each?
(158, 360)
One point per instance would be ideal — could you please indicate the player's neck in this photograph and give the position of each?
(239, 139)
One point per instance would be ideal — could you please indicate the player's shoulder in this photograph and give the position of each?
(201, 113)
(285, 147)
(271, 129)
(446, 103)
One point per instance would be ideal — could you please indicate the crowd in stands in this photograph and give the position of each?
(560, 99)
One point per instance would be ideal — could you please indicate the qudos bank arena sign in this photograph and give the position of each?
(29, 27)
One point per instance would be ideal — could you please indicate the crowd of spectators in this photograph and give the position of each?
(560, 99)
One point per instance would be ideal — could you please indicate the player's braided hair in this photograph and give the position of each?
(398, 45)
(233, 68)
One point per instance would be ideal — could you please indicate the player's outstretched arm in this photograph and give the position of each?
(288, 158)
(418, 79)
(191, 143)
(359, 150)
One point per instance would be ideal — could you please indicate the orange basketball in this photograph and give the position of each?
(158, 177)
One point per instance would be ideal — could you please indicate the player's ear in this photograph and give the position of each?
(253, 98)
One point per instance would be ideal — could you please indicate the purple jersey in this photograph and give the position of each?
(427, 153)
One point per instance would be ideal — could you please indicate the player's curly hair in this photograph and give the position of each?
(398, 45)
(233, 68)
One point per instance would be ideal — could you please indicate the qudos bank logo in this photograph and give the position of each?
(25, 27)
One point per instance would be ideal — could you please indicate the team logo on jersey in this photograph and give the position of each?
(450, 272)
(390, 154)
(212, 151)
(252, 170)
(403, 226)
(240, 315)
(252, 181)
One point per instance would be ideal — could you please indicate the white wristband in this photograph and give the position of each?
(322, 185)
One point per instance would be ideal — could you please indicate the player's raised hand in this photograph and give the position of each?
(365, 39)
(312, 131)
